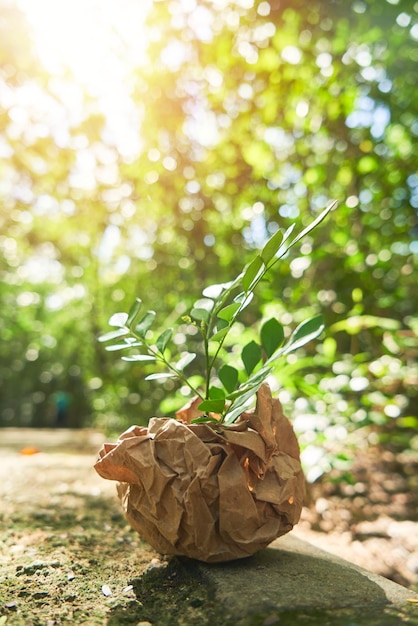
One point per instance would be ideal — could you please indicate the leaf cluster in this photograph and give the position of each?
(229, 392)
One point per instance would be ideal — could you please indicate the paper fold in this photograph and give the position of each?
(209, 491)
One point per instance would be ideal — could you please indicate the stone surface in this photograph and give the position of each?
(292, 582)
(292, 573)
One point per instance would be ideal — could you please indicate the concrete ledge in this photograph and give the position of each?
(292, 572)
(290, 583)
(292, 575)
(393, 593)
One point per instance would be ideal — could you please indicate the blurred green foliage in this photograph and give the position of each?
(251, 116)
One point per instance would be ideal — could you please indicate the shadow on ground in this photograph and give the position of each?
(191, 593)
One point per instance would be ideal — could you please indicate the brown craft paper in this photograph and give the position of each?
(209, 491)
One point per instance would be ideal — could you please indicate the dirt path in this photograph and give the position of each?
(68, 556)
(372, 520)
(66, 552)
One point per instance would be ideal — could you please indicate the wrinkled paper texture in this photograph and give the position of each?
(208, 491)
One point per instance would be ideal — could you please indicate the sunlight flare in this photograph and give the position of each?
(94, 45)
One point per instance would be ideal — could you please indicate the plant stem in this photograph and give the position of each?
(208, 364)
(160, 357)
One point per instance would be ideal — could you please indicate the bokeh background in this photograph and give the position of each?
(148, 148)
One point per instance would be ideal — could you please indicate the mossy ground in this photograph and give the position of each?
(67, 554)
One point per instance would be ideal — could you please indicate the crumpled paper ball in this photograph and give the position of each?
(208, 491)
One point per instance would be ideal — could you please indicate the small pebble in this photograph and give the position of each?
(106, 591)
(40, 594)
(155, 564)
(70, 597)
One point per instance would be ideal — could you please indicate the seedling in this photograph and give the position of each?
(226, 390)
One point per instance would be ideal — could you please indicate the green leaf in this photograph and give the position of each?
(221, 324)
(204, 419)
(228, 376)
(251, 355)
(242, 402)
(256, 379)
(244, 299)
(163, 339)
(308, 330)
(118, 319)
(214, 291)
(271, 247)
(121, 346)
(330, 207)
(228, 312)
(133, 312)
(285, 247)
(201, 315)
(212, 406)
(271, 335)
(185, 360)
(252, 272)
(220, 334)
(160, 376)
(138, 357)
(288, 232)
(216, 393)
(114, 334)
(145, 324)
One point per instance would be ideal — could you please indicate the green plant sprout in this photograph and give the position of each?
(214, 316)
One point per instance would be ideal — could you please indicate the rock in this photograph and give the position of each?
(288, 583)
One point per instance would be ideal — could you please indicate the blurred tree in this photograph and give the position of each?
(253, 114)
(259, 112)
